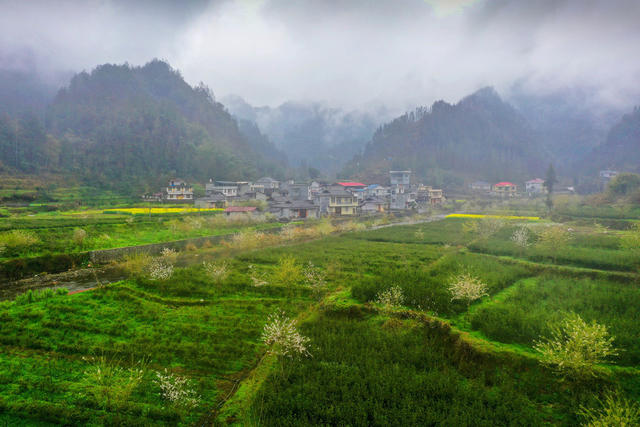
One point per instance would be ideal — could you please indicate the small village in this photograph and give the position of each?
(290, 200)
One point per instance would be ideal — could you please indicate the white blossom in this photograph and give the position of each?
(467, 287)
(176, 389)
(391, 298)
(282, 336)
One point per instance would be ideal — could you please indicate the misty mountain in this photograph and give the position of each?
(621, 150)
(22, 91)
(480, 137)
(568, 123)
(311, 134)
(120, 125)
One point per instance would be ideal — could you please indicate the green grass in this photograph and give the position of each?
(370, 370)
(527, 311)
(366, 368)
(589, 249)
(55, 235)
(209, 333)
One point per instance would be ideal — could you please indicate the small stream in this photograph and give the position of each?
(75, 280)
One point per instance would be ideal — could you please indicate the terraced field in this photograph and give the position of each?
(429, 360)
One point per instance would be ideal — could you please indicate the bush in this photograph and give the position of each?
(18, 240)
(79, 236)
(614, 411)
(288, 271)
(576, 347)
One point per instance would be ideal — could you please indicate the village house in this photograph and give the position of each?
(372, 205)
(400, 179)
(335, 200)
(435, 197)
(265, 185)
(179, 190)
(240, 211)
(227, 190)
(376, 190)
(212, 200)
(296, 191)
(480, 186)
(295, 209)
(534, 186)
(504, 189)
(314, 188)
(422, 193)
(399, 200)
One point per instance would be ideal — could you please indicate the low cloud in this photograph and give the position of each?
(354, 54)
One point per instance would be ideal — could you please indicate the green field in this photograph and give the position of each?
(429, 361)
(43, 234)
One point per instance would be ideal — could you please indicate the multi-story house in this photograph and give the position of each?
(400, 179)
(335, 200)
(504, 189)
(179, 190)
(534, 186)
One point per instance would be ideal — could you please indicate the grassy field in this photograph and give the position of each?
(430, 360)
(27, 236)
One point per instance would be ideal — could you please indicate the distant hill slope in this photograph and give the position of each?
(621, 150)
(480, 137)
(569, 123)
(311, 134)
(121, 122)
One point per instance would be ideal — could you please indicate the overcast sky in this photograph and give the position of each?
(356, 53)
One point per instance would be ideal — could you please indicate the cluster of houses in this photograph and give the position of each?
(508, 189)
(532, 188)
(292, 200)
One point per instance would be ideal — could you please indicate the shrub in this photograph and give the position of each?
(390, 299)
(79, 236)
(282, 336)
(614, 411)
(487, 227)
(576, 346)
(218, 272)
(169, 253)
(177, 390)
(34, 296)
(467, 287)
(160, 269)
(314, 276)
(136, 263)
(110, 384)
(18, 239)
(553, 240)
(288, 271)
(521, 237)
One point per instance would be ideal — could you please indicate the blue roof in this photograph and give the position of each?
(372, 186)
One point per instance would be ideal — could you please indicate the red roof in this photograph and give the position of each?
(240, 209)
(536, 181)
(352, 184)
(505, 184)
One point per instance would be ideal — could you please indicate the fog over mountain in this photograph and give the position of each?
(350, 54)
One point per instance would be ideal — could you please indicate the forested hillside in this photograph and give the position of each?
(481, 137)
(120, 125)
(621, 150)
